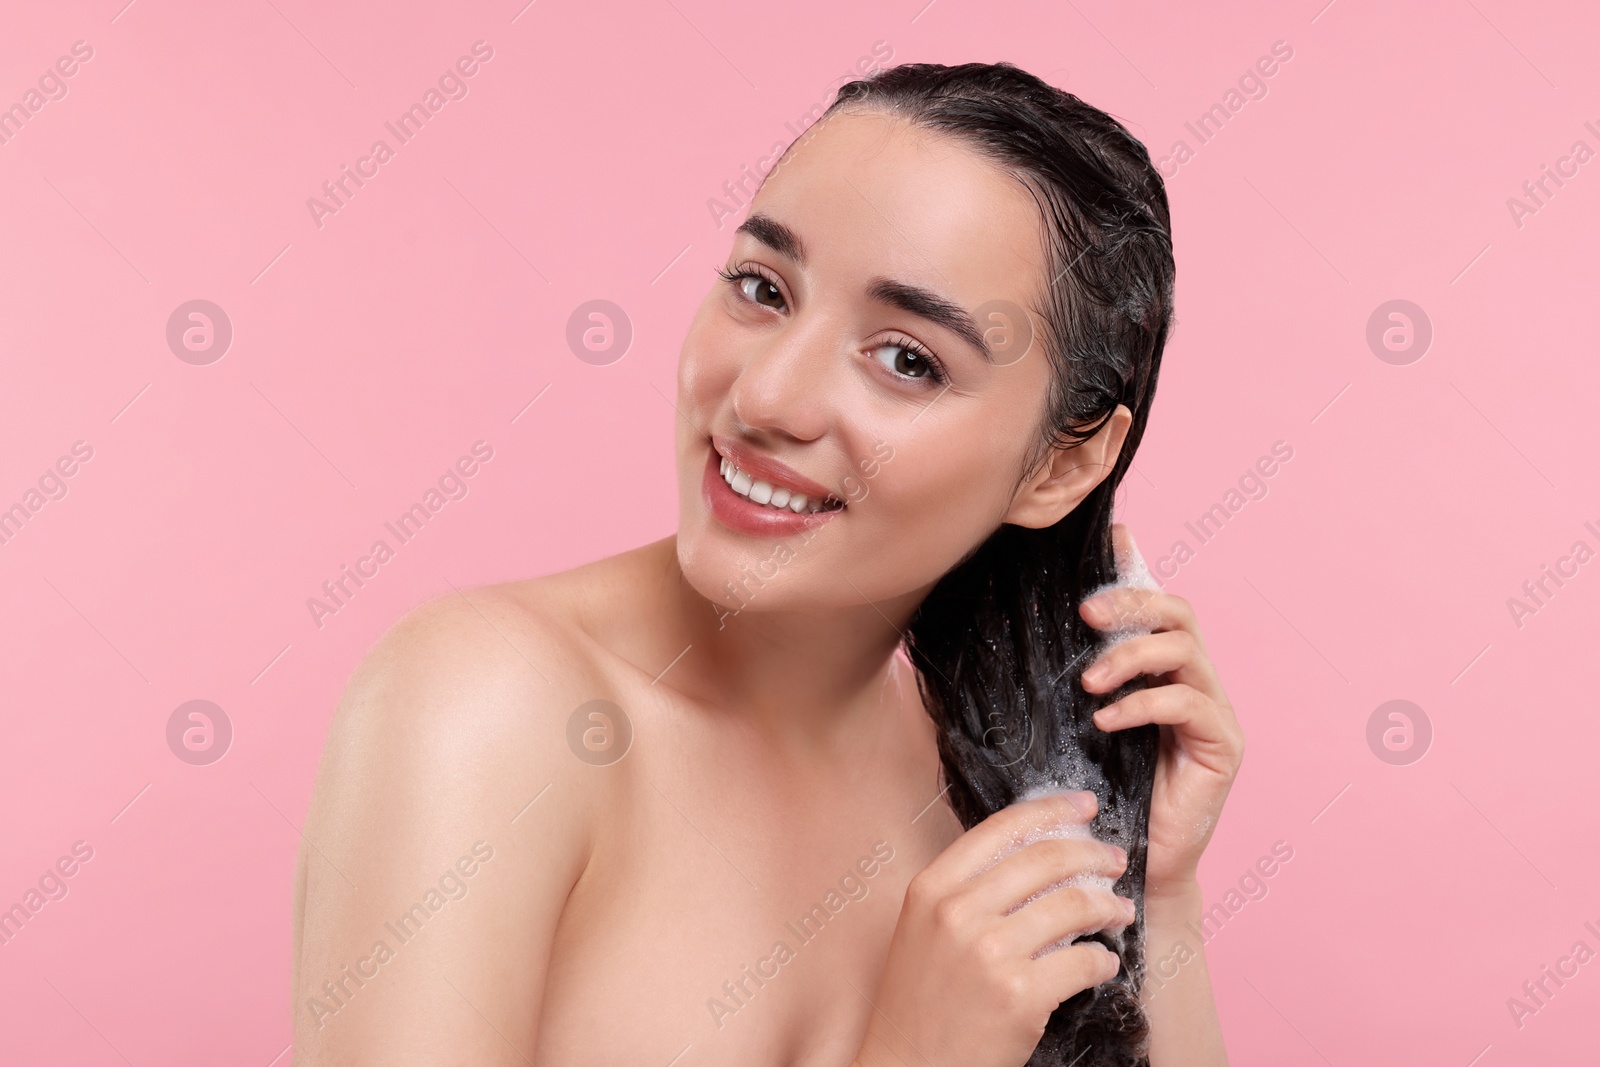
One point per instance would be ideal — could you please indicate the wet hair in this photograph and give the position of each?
(998, 644)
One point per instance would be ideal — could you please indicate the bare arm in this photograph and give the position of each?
(424, 916)
(1184, 1028)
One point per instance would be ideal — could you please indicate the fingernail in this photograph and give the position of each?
(1084, 801)
(1129, 908)
(1121, 854)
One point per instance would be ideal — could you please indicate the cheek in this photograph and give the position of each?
(706, 363)
(707, 369)
(926, 509)
(964, 468)
(709, 364)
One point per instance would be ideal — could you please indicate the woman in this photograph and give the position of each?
(685, 805)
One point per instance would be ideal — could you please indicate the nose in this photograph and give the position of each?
(784, 387)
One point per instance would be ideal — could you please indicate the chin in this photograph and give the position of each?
(709, 557)
(707, 566)
(739, 573)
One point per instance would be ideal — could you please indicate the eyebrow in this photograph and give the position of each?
(927, 304)
(912, 299)
(775, 235)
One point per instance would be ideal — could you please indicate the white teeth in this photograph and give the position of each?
(765, 493)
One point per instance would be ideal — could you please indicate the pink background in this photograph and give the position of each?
(369, 353)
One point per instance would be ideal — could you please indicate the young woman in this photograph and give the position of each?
(684, 806)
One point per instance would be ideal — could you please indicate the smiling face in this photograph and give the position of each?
(842, 359)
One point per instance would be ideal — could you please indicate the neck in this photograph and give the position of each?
(803, 677)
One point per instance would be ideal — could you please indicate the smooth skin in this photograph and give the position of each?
(780, 767)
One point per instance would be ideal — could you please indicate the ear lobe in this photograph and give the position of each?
(1068, 474)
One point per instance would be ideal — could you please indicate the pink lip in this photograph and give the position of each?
(746, 516)
(763, 469)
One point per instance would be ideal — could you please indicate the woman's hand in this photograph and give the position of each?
(962, 985)
(1202, 744)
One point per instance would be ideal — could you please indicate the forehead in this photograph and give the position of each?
(871, 194)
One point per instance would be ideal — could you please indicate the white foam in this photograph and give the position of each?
(1070, 771)
(1132, 572)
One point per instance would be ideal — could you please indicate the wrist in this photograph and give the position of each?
(1178, 898)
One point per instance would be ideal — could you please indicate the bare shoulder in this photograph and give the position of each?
(476, 683)
(487, 662)
(448, 752)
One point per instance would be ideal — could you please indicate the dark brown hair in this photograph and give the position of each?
(998, 644)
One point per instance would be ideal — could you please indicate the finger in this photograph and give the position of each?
(1150, 609)
(1042, 866)
(1174, 654)
(1069, 970)
(1005, 831)
(1199, 719)
(1063, 914)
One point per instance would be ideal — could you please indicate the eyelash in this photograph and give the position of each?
(935, 369)
(733, 277)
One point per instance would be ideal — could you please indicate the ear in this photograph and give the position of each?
(1068, 474)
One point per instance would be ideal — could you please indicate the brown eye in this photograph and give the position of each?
(905, 361)
(910, 364)
(761, 291)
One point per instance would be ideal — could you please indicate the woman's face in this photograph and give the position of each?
(839, 362)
